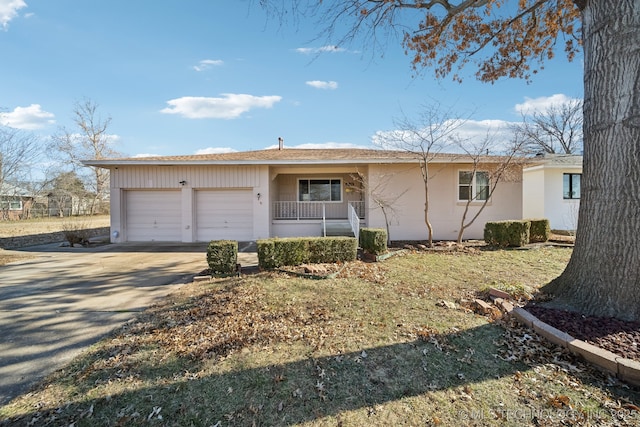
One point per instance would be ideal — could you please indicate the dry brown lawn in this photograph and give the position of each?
(40, 231)
(382, 344)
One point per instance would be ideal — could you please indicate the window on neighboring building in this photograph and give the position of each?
(12, 205)
(320, 190)
(571, 185)
(473, 186)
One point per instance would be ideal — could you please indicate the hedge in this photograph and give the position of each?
(279, 252)
(539, 231)
(507, 233)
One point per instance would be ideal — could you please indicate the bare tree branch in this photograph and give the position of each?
(433, 132)
(90, 140)
(18, 152)
(447, 34)
(557, 129)
(497, 172)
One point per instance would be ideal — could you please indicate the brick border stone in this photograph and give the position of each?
(603, 359)
(627, 370)
(552, 334)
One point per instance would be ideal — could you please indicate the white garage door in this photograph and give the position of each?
(224, 215)
(153, 216)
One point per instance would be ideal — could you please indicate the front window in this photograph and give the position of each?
(320, 190)
(473, 185)
(571, 185)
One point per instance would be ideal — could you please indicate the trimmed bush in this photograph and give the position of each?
(373, 240)
(222, 256)
(507, 233)
(292, 251)
(539, 231)
(276, 252)
(267, 254)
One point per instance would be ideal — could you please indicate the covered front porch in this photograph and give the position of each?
(317, 202)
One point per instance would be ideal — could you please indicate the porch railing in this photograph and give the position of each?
(358, 207)
(354, 221)
(314, 210)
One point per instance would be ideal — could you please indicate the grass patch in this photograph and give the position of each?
(370, 347)
(9, 257)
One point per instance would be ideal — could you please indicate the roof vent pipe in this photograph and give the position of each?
(280, 143)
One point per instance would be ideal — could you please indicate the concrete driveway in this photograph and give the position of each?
(61, 301)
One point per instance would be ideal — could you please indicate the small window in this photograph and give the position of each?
(571, 185)
(320, 190)
(473, 186)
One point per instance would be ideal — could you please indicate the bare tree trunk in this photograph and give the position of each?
(386, 223)
(462, 226)
(603, 275)
(424, 169)
(428, 223)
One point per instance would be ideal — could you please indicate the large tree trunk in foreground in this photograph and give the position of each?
(603, 275)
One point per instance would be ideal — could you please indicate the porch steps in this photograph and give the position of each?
(339, 229)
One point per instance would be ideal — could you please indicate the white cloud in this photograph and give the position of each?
(480, 129)
(322, 49)
(319, 84)
(9, 10)
(227, 106)
(471, 132)
(216, 150)
(28, 118)
(205, 64)
(532, 105)
(142, 155)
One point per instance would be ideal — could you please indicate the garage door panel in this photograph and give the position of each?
(224, 214)
(153, 216)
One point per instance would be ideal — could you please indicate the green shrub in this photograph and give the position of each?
(276, 252)
(222, 256)
(507, 233)
(291, 251)
(539, 231)
(373, 240)
(267, 254)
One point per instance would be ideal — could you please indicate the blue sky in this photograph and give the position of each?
(195, 76)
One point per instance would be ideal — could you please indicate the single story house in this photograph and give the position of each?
(301, 192)
(15, 202)
(551, 183)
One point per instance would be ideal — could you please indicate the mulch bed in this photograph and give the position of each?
(617, 336)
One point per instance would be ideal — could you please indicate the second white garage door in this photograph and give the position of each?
(224, 215)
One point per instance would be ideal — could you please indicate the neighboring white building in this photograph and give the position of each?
(551, 189)
(287, 192)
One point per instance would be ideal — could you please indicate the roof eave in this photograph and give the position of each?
(117, 163)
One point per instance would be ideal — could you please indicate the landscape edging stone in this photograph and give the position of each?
(627, 370)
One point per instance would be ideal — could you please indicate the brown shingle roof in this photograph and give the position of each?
(284, 156)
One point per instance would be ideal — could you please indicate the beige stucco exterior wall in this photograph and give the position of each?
(400, 185)
(404, 183)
